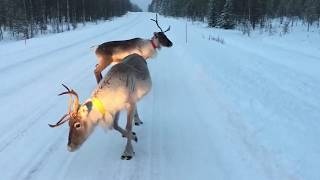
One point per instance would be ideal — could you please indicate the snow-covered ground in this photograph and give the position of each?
(246, 109)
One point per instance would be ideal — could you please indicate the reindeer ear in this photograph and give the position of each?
(88, 104)
(85, 109)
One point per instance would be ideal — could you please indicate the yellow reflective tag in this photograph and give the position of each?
(98, 104)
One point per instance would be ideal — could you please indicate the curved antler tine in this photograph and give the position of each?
(66, 87)
(61, 121)
(66, 92)
(70, 100)
(167, 29)
(156, 20)
(72, 92)
(63, 93)
(75, 102)
(69, 104)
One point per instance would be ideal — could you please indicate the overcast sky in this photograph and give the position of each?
(143, 4)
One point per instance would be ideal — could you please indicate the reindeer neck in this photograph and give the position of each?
(93, 112)
(97, 114)
(154, 43)
(146, 49)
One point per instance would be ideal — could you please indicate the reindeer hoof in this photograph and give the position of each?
(126, 156)
(133, 133)
(135, 138)
(138, 123)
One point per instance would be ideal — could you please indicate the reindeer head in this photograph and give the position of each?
(80, 124)
(160, 36)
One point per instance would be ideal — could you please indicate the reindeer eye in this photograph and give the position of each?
(77, 125)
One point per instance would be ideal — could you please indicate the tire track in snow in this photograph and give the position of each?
(297, 83)
(212, 135)
(30, 170)
(242, 133)
(15, 134)
(229, 73)
(29, 81)
(293, 51)
(56, 64)
(43, 55)
(17, 122)
(38, 162)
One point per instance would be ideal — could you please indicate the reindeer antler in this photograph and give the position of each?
(156, 20)
(76, 102)
(71, 112)
(61, 121)
(167, 29)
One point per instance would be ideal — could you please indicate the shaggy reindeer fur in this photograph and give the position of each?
(124, 85)
(116, 51)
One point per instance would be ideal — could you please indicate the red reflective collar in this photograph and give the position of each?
(153, 45)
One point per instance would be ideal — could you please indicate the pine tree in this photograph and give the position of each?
(28, 17)
(310, 12)
(213, 13)
(165, 7)
(226, 19)
(215, 9)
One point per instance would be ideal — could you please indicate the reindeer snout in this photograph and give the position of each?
(71, 148)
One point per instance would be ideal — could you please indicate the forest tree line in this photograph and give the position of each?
(26, 18)
(229, 13)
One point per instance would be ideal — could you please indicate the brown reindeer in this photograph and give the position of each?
(124, 85)
(115, 51)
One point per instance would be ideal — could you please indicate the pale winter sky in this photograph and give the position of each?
(143, 4)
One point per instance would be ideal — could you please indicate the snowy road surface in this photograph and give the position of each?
(248, 109)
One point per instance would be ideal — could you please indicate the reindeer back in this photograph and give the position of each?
(127, 81)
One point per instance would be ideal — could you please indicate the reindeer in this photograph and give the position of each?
(123, 86)
(115, 51)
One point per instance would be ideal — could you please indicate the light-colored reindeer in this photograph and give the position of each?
(115, 51)
(123, 86)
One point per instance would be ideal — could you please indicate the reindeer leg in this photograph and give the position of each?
(116, 125)
(104, 61)
(97, 73)
(137, 120)
(128, 152)
(119, 129)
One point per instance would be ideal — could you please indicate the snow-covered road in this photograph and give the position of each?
(248, 109)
